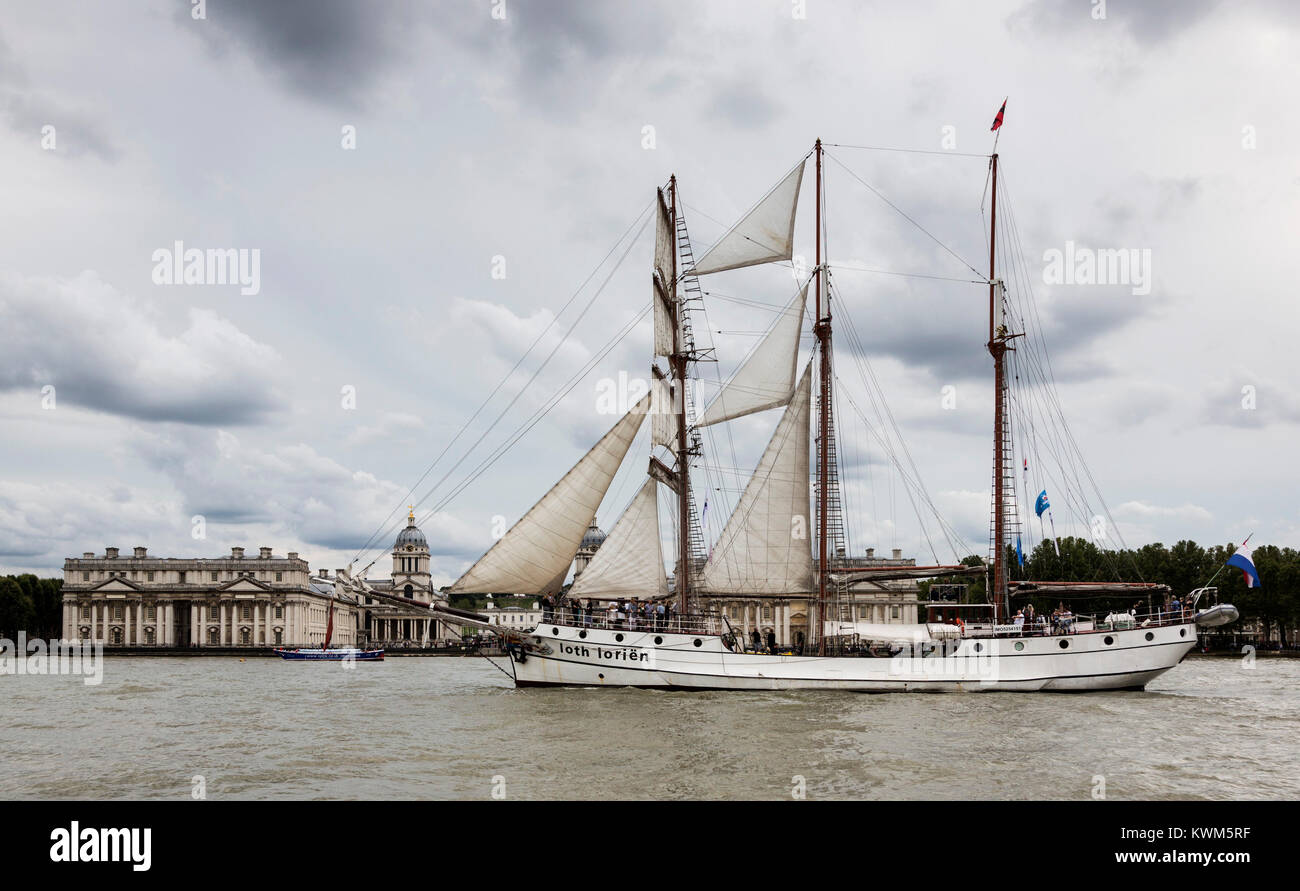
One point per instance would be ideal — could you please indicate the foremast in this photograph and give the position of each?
(677, 363)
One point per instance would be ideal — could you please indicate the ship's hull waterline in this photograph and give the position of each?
(561, 655)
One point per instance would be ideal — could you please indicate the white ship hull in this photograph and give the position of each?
(562, 655)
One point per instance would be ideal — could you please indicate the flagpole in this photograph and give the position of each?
(1225, 562)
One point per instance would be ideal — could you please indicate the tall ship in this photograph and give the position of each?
(624, 622)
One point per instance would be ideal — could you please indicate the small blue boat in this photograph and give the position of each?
(338, 654)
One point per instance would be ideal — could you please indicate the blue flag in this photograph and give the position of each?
(1041, 504)
(1020, 555)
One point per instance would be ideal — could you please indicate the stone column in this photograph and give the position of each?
(196, 632)
(785, 624)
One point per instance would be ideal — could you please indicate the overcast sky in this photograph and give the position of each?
(1162, 126)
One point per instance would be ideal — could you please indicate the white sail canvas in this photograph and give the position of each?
(764, 235)
(534, 555)
(766, 378)
(766, 547)
(630, 563)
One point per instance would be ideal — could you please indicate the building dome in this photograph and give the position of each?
(594, 537)
(411, 535)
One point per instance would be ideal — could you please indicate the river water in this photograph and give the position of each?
(439, 728)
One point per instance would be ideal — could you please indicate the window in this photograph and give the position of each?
(279, 576)
(85, 611)
(149, 637)
(148, 576)
(214, 576)
(85, 576)
(151, 612)
(893, 612)
(767, 614)
(182, 578)
(117, 612)
(247, 612)
(212, 612)
(279, 614)
(212, 636)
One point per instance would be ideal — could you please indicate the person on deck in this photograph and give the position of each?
(771, 641)
(756, 640)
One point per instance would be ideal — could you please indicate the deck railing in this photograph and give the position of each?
(619, 621)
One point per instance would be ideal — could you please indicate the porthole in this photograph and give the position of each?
(1020, 645)
(1182, 632)
(698, 642)
(1150, 636)
(582, 633)
(1109, 640)
(658, 640)
(618, 637)
(1065, 644)
(979, 647)
(601, 676)
(555, 630)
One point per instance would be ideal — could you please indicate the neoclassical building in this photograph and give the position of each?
(389, 625)
(233, 601)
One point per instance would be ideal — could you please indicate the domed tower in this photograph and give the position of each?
(411, 561)
(591, 543)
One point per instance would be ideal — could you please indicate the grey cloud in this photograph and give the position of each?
(28, 110)
(331, 51)
(110, 356)
(1150, 22)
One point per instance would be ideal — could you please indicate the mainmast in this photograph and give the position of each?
(822, 330)
(677, 365)
(997, 348)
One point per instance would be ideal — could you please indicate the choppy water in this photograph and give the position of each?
(444, 727)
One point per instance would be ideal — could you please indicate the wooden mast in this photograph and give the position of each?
(997, 347)
(822, 330)
(678, 367)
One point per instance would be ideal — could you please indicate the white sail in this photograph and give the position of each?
(663, 414)
(765, 547)
(766, 378)
(630, 563)
(534, 555)
(664, 289)
(764, 235)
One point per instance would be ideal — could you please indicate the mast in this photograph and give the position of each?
(822, 330)
(677, 363)
(997, 348)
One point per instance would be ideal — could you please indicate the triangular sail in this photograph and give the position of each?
(630, 563)
(764, 235)
(533, 556)
(766, 378)
(765, 547)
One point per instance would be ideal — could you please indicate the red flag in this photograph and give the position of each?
(997, 121)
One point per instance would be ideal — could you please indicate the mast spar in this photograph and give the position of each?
(997, 348)
(822, 330)
(677, 362)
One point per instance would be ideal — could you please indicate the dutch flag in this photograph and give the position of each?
(1242, 560)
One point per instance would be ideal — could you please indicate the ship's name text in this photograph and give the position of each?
(615, 654)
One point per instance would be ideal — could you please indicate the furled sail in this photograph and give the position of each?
(534, 555)
(764, 235)
(766, 547)
(664, 287)
(630, 563)
(766, 378)
(663, 414)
